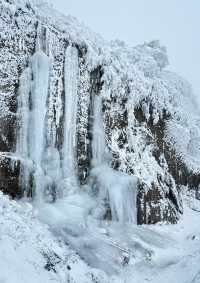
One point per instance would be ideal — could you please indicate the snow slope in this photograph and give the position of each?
(128, 253)
(31, 253)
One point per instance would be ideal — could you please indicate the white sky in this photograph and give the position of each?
(176, 23)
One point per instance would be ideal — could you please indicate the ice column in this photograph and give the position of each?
(40, 66)
(40, 70)
(98, 141)
(71, 78)
(33, 93)
(22, 150)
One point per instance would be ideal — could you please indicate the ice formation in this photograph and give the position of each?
(108, 120)
(98, 140)
(71, 79)
(40, 158)
(23, 112)
(23, 117)
(118, 190)
(135, 107)
(40, 69)
(32, 110)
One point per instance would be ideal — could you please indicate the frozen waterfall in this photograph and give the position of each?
(49, 172)
(22, 149)
(117, 190)
(40, 70)
(46, 171)
(33, 93)
(23, 113)
(71, 78)
(40, 66)
(98, 141)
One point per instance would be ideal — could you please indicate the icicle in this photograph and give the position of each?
(98, 142)
(40, 69)
(71, 78)
(33, 93)
(40, 65)
(23, 113)
(22, 149)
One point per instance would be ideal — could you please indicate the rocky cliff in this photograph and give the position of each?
(71, 102)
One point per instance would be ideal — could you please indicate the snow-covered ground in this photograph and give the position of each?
(61, 243)
(178, 260)
(30, 253)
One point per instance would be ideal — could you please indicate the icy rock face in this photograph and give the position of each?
(71, 102)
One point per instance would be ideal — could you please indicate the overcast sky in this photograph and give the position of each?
(176, 23)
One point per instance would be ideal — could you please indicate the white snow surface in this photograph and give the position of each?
(115, 253)
(27, 246)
